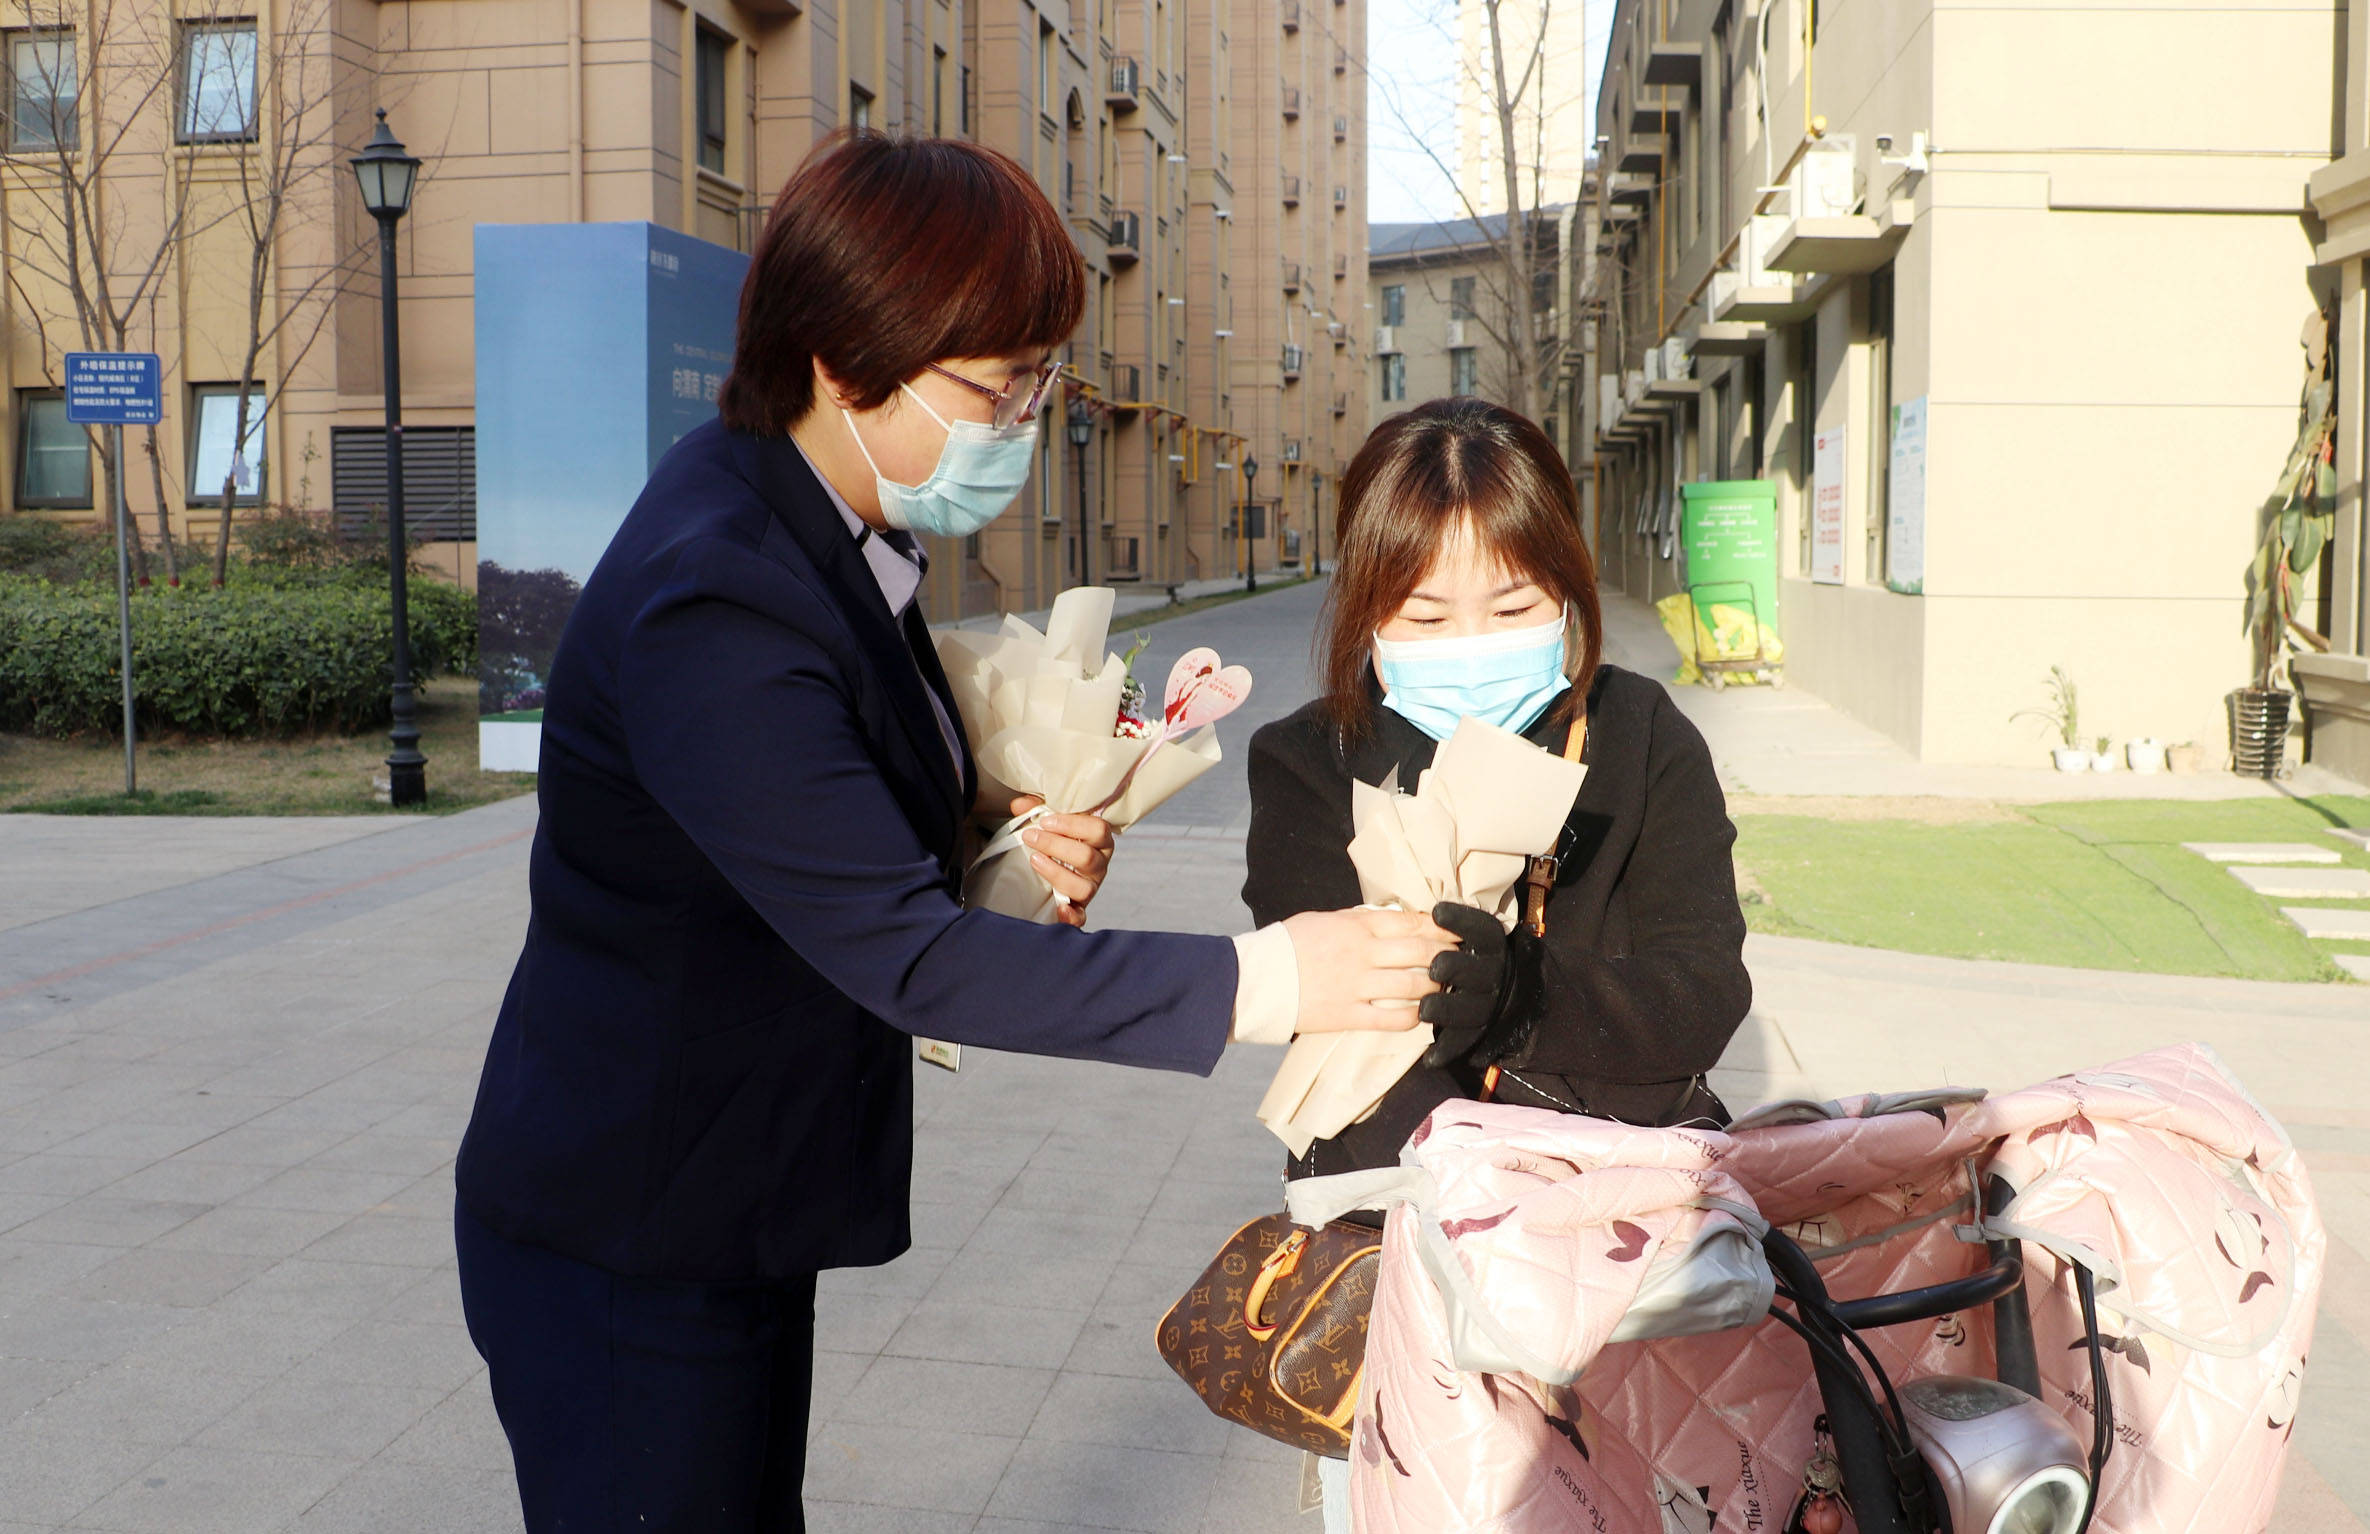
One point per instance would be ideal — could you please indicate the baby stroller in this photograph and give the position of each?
(2081, 1306)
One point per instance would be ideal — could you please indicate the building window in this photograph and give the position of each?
(938, 92)
(53, 456)
(1880, 410)
(1394, 378)
(44, 91)
(213, 419)
(1045, 67)
(859, 106)
(1460, 298)
(217, 82)
(1394, 304)
(708, 92)
(1462, 371)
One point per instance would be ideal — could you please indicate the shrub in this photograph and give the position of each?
(46, 550)
(249, 659)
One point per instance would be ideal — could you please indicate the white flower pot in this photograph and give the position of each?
(2145, 755)
(2070, 759)
(2102, 761)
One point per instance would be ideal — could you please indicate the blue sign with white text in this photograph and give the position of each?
(114, 388)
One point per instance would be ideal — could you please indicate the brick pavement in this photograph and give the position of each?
(236, 1056)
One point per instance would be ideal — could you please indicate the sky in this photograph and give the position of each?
(1411, 56)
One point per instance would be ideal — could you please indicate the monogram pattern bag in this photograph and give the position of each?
(1273, 1333)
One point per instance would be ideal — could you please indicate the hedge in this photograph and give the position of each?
(252, 658)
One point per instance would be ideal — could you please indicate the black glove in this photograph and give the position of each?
(1480, 1009)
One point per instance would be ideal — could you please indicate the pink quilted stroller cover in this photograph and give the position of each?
(1497, 1398)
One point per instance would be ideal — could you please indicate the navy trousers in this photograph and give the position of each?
(644, 1405)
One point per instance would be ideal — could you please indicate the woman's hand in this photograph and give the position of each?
(1070, 852)
(1364, 968)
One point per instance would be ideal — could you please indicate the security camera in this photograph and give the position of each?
(1884, 143)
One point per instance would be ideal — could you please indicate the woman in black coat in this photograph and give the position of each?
(1461, 553)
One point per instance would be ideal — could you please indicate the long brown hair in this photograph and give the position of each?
(885, 253)
(1419, 475)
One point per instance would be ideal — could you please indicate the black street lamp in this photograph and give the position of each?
(1250, 499)
(1081, 429)
(387, 175)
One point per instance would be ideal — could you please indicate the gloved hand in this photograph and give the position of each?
(1486, 981)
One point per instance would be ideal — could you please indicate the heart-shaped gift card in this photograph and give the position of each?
(1202, 692)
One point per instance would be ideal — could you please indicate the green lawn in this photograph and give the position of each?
(2101, 885)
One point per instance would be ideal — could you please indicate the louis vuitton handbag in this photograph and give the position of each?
(1273, 1333)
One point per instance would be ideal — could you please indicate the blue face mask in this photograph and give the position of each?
(1505, 678)
(979, 471)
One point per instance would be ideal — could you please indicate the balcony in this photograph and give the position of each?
(1675, 64)
(1291, 191)
(1295, 358)
(1291, 103)
(1126, 79)
(1730, 338)
(1341, 127)
(1653, 118)
(1637, 189)
(1846, 245)
(1291, 276)
(1291, 10)
(1641, 157)
(1124, 240)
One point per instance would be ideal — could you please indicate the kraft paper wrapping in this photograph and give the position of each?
(1489, 803)
(1039, 710)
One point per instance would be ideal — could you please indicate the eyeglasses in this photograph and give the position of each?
(1012, 406)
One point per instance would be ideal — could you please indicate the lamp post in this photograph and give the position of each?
(1250, 554)
(386, 175)
(1081, 429)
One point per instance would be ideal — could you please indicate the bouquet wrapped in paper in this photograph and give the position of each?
(1056, 715)
(1489, 803)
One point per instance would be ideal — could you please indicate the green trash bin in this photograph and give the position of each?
(1728, 532)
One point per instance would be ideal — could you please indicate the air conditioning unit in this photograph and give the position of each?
(1456, 332)
(1127, 382)
(1386, 340)
(1292, 450)
(1341, 196)
(1652, 370)
(1291, 276)
(1291, 10)
(1291, 191)
(1825, 182)
(1125, 78)
(1608, 397)
(1339, 332)
(1294, 357)
(1126, 235)
(1341, 127)
(1291, 101)
(1677, 360)
(1633, 386)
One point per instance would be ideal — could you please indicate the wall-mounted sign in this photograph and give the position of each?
(1826, 508)
(1905, 501)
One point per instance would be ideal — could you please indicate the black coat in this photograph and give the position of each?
(1643, 962)
(745, 902)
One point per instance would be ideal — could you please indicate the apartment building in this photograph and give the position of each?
(1444, 316)
(1544, 43)
(2336, 686)
(2006, 302)
(688, 114)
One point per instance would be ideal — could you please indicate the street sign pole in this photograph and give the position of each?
(123, 607)
(118, 389)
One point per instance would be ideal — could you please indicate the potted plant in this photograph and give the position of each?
(2181, 757)
(2146, 754)
(2298, 519)
(2102, 757)
(2063, 714)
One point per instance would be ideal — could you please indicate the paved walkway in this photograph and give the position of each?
(236, 1056)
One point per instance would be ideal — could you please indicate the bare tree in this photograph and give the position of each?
(1511, 80)
(270, 96)
(98, 207)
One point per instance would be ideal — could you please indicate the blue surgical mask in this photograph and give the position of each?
(979, 472)
(1504, 678)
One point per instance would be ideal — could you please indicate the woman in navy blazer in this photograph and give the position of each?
(745, 880)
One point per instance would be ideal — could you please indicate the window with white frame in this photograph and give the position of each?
(217, 82)
(44, 91)
(1394, 303)
(213, 418)
(53, 455)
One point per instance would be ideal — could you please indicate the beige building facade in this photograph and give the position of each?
(2068, 249)
(1544, 48)
(1149, 122)
(1443, 315)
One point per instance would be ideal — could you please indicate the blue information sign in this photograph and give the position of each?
(114, 388)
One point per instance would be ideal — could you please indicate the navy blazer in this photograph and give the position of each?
(745, 899)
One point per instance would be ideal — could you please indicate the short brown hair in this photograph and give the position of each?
(884, 254)
(1418, 475)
